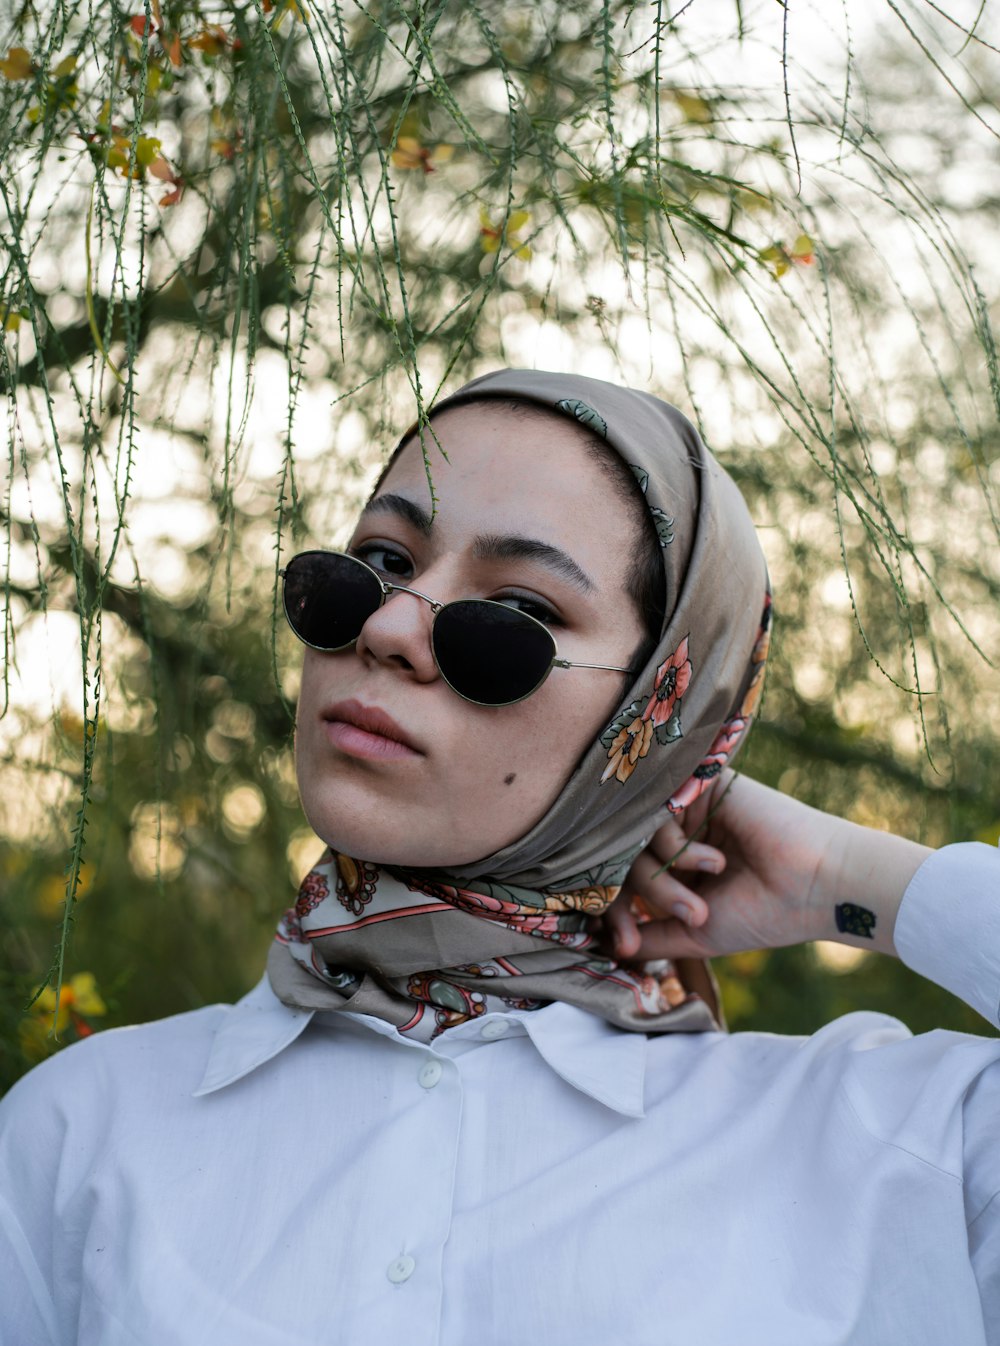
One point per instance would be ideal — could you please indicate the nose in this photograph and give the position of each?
(398, 635)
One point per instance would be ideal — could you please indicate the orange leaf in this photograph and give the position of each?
(159, 168)
(212, 40)
(138, 25)
(173, 49)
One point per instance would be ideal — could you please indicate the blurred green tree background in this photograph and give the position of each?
(244, 245)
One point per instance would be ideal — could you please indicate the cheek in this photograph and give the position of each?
(542, 739)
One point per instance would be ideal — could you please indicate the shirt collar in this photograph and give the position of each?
(606, 1063)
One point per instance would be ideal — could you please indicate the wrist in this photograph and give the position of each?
(862, 879)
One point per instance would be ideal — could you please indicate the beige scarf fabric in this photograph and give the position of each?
(428, 950)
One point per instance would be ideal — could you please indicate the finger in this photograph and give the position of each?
(622, 930)
(699, 856)
(668, 841)
(673, 847)
(669, 939)
(659, 894)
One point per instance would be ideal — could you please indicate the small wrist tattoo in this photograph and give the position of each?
(854, 920)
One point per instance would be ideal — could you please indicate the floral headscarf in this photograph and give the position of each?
(426, 950)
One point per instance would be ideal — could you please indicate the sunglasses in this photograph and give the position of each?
(487, 652)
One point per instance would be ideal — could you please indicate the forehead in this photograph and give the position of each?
(519, 466)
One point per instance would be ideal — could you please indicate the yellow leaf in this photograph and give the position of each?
(409, 153)
(16, 65)
(491, 234)
(147, 151)
(692, 107)
(804, 250)
(65, 67)
(84, 996)
(775, 258)
(293, 7)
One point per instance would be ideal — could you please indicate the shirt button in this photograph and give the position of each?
(495, 1028)
(430, 1073)
(400, 1270)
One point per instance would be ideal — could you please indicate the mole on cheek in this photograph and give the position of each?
(509, 780)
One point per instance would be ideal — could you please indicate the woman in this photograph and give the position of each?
(448, 1113)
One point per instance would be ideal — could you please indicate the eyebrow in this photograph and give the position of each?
(401, 506)
(514, 547)
(491, 546)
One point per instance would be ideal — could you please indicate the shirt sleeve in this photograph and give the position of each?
(948, 930)
(948, 927)
(34, 1158)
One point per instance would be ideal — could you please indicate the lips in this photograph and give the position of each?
(371, 720)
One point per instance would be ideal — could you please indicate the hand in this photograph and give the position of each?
(751, 868)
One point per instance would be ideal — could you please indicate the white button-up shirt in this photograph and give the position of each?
(256, 1176)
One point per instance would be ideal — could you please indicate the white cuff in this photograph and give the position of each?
(948, 926)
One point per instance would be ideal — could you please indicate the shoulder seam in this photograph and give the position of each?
(893, 1145)
(982, 1211)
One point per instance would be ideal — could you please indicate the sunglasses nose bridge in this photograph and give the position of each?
(389, 589)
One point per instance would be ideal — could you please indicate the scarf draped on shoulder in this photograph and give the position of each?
(425, 951)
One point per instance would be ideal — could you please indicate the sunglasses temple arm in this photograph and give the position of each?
(610, 668)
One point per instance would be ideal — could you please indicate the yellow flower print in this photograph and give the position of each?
(626, 748)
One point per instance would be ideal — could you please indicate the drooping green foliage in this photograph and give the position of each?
(243, 245)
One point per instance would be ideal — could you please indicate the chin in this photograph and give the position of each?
(372, 833)
(386, 840)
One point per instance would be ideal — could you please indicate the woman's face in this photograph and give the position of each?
(526, 517)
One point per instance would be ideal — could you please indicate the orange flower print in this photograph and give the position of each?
(723, 746)
(592, 900)
(629, 744)
(630, 735)
(673, 678)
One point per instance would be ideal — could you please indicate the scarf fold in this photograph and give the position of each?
(360, 938)
(427, 950)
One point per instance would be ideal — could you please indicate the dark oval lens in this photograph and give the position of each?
(328, 598)
(491, 653)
